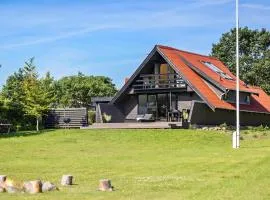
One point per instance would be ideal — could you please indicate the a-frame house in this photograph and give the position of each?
(172, 85)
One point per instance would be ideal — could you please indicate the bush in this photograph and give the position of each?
(107, 118)
(224, 125)
(91, 117)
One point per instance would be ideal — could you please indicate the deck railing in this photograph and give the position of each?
(159, 81)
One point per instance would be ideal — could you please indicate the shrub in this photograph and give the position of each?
(224, 125)
(91, 117)
(107, 118)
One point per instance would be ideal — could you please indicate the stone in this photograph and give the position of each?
(205, 128)
(67, 180)
(105, 185)
(48, 186)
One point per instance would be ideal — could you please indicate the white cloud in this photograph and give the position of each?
(26, 26)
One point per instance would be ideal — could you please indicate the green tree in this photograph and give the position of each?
(38, 94)
(76, 91)
(254, 48)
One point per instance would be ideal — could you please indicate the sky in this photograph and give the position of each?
(112, 37)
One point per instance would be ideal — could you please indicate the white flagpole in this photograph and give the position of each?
(237, 78)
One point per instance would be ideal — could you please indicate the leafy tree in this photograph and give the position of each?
(38, 94)
(76, 91)
(254, 48)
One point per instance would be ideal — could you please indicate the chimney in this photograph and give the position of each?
(126, 79)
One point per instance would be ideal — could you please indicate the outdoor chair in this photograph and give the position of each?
(145, 118)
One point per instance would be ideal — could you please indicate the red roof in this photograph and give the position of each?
(190, 65)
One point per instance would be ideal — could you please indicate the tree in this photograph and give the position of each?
(254, 50)
(77, 91)
(38, 94)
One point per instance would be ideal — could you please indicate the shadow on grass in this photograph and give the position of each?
(25, 133)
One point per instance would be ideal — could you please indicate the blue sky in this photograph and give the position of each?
(111, 38)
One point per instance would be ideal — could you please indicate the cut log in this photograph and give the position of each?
(12, 186)
(105, 185)
(12, 189)
(48, 186)
(67, 180)
(3, 178)
(2, 189)
(33, 187)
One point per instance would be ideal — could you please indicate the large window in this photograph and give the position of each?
(217, 70)
(142, 107)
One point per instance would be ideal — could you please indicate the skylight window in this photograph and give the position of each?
(217, 70)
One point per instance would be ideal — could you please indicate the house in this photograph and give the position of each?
(172, 85)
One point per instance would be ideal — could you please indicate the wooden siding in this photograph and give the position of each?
(77, 116)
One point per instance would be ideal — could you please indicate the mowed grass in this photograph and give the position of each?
(142, 164)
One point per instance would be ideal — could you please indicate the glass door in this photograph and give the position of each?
(163, 106)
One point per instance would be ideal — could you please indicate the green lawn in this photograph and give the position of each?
(142, 164)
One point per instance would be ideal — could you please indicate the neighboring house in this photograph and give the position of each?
(95, 101)
(198, 87)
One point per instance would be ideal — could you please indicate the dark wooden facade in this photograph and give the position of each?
(56, 118)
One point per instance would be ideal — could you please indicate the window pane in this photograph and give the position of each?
(142, 108)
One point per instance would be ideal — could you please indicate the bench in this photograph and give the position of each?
(8, 126)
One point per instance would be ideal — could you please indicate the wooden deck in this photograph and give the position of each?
(134, 125)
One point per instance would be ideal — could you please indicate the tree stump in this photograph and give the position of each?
(2, 189)
(48, 186)
(67, 180)
(3, 178)
(105, 185)
(12, 186)
(33, 187)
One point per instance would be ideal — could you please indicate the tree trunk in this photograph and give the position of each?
(37, 124)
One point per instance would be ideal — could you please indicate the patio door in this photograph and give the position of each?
(163, 106)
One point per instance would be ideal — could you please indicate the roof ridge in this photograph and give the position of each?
(184, 51)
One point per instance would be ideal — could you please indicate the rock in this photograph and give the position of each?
(67, 180)
(33, 187)
(48, 186)
(105, 185)
(205, 128)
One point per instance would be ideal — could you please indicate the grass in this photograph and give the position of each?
(142, 164)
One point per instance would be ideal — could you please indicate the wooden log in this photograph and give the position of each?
(12, 186)
(2, 189)
(105, 185)
(3, 178)
(33, 187)
(67, 180)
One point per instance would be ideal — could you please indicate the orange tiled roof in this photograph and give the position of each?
(260, 101)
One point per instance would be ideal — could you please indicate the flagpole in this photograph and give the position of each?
(237, 78)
